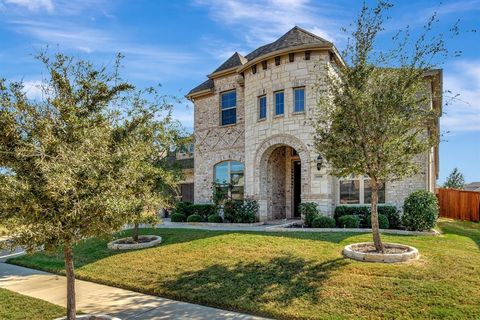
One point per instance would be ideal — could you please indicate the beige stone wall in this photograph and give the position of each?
(215, 143)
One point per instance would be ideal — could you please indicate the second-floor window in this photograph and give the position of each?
(298, 99)
(228, 103)
(262, 107)
(279, 103)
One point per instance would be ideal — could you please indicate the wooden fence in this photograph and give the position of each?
(459, 204)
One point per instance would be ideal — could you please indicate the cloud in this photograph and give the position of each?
(33, 89)
(463, 113)
(32, 5)
(261, 22)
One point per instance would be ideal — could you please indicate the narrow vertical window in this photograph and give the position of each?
(299, 100)
(279, 103)
(228, 102)
(262, 107)
(264, 65)
(291, 57)
(254, 69)
(307, 55)
(277, 61)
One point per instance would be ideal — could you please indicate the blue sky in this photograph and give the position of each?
(176, 43)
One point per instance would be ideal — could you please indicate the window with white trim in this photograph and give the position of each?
(357, 190)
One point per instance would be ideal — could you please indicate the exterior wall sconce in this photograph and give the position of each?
(319, 162)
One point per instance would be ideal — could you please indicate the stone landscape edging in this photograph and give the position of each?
(286, 227)
(113, 245)
(88, 316)
(351, 253)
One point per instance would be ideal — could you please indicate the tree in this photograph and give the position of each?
(455, 180)
(69, 159)
(156, 177)
(374, 115)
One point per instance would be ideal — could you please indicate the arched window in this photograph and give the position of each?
(229, 175)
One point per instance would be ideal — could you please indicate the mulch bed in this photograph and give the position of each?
(370, 248)
(140, 240)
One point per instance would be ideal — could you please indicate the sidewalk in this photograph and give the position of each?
(96, 298)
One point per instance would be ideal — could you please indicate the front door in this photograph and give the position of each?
(297, 187)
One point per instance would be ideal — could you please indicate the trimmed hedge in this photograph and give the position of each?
(184, 207)
(323, 222)
(204, 210)
(363, 211)
(382, 221)
(238, 211)
(308, 212)
(177, 217)
(195, 218)
(349, 221)
(215, 218)
(420, 211)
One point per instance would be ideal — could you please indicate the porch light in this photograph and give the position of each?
(319, 162)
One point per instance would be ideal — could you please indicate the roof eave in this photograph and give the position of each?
(272, 54)
(197, 94)
(222, 73)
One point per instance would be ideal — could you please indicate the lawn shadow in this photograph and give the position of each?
(250, 286)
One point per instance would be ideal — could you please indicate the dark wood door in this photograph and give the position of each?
(297, 187)
(187, 191)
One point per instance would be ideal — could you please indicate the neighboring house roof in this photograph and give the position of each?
(234, 61)
(294, 37)
(182, 163)
(473, 186)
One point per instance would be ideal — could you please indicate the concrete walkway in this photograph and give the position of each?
(96, 298)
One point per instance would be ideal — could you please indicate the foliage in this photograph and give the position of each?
(308, 212)
(204, 210)
(383, 222)
(219, 194)
(361, 211)
(184, 207)
(349, 221)
(323, 222)
(420, 211)
(237, 270)
(215, 218)
(392, 214)
(178, 217)
(455, 180)
(240, 211)
(373, 117)
(195, 218)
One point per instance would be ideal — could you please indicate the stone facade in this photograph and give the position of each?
(268, 147)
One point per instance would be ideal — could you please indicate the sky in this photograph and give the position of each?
(177, 43)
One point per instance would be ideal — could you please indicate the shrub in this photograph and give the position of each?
(392, 214)
(195, 218)
(184, 207)
(361, 211)
(383, 222)
(204, 210)
(308, 212)
(215, 218)
(323, 222)
(177, 217)
(349, 221)
(420, 211)
(237, 211)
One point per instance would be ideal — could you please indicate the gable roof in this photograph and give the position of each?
(294, 37)
(472, 186)
(234, 61)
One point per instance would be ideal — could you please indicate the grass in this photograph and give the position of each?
(292, 275)
(15, 306)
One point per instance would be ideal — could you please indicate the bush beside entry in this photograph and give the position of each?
(420, 211)
(349, 221)
(215, 218)
(323, 222)
(177, 217)
(308, 212)
(195, 218)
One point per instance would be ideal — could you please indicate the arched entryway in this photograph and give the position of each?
(281, 176)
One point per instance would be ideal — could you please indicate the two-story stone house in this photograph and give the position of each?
(252, 131)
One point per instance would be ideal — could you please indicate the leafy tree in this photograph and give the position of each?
(455, 180)
(374, 115)
(69, 159)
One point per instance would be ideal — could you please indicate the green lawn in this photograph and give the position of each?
(15, 306)
(293, 275)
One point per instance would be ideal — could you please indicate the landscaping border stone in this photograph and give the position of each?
(350, 252)
(115, 245)
(287, 227)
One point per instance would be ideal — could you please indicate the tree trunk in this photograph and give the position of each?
(71, 307)
(135, 232)
(377, 241)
